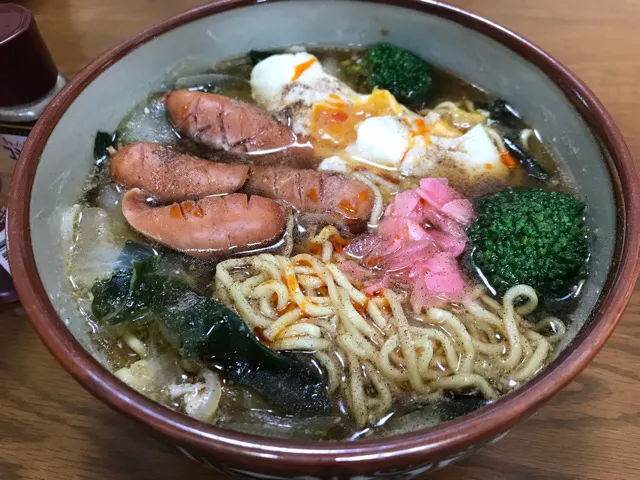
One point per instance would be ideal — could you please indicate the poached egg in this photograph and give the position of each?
(348, 128)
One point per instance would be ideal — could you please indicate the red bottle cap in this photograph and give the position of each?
(28, 71)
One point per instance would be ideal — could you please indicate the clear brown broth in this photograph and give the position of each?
(240, 409)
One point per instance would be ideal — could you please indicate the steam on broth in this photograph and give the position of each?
(326, 243)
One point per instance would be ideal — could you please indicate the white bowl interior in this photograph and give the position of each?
(68, 155)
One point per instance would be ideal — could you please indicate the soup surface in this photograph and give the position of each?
(327, 244)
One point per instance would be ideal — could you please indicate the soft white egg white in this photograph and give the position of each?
(381, 140)
(474, 152)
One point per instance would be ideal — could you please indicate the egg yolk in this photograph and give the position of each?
(443, 129)
(334, 120)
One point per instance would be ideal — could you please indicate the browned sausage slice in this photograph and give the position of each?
(210, 227)
(220, 122)
(313, 191)
(171, 176)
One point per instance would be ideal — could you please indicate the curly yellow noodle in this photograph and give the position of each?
(371, 351)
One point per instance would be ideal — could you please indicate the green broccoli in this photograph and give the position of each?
(392, 68)
(530, 236)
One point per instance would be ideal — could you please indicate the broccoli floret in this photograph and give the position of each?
(388, 67)
(530, 236)
(404, 74)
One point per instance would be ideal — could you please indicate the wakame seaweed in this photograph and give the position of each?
(210, 330)
(510, 125)
(530, 164)
(456, 406)
(503, 113)
(101, 143)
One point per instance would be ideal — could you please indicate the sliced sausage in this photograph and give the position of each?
(220, 122)
(171, 176)
(313, 191)
(210, 227)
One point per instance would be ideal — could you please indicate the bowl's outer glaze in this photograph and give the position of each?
(58, 157)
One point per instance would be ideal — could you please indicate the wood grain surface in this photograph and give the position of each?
(50, 428)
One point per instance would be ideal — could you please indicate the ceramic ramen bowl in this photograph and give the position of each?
(57, 159)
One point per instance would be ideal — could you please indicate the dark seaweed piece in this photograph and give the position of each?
(256, 56)
(102, 142)
(502, 113)
(209, 329)
(90, 196)
(134, 251)
(125, 296)
(456, 406)
(511, 123)
(110, 295)
(530, 164)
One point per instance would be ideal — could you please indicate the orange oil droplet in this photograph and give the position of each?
(288, 308)
(508, 160)
(339, 116)
(347, 208)
(292, 283)
(361, 309)
(315, 249)
(301, 68)
(175, 212)
(374, 262)
(421, 127)
(259, 332)
(338, 243)
(313, 195)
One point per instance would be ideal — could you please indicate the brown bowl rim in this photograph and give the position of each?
(262, 452)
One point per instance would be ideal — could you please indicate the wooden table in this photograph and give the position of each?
(50, 428)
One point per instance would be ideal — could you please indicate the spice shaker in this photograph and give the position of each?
(29, 80)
